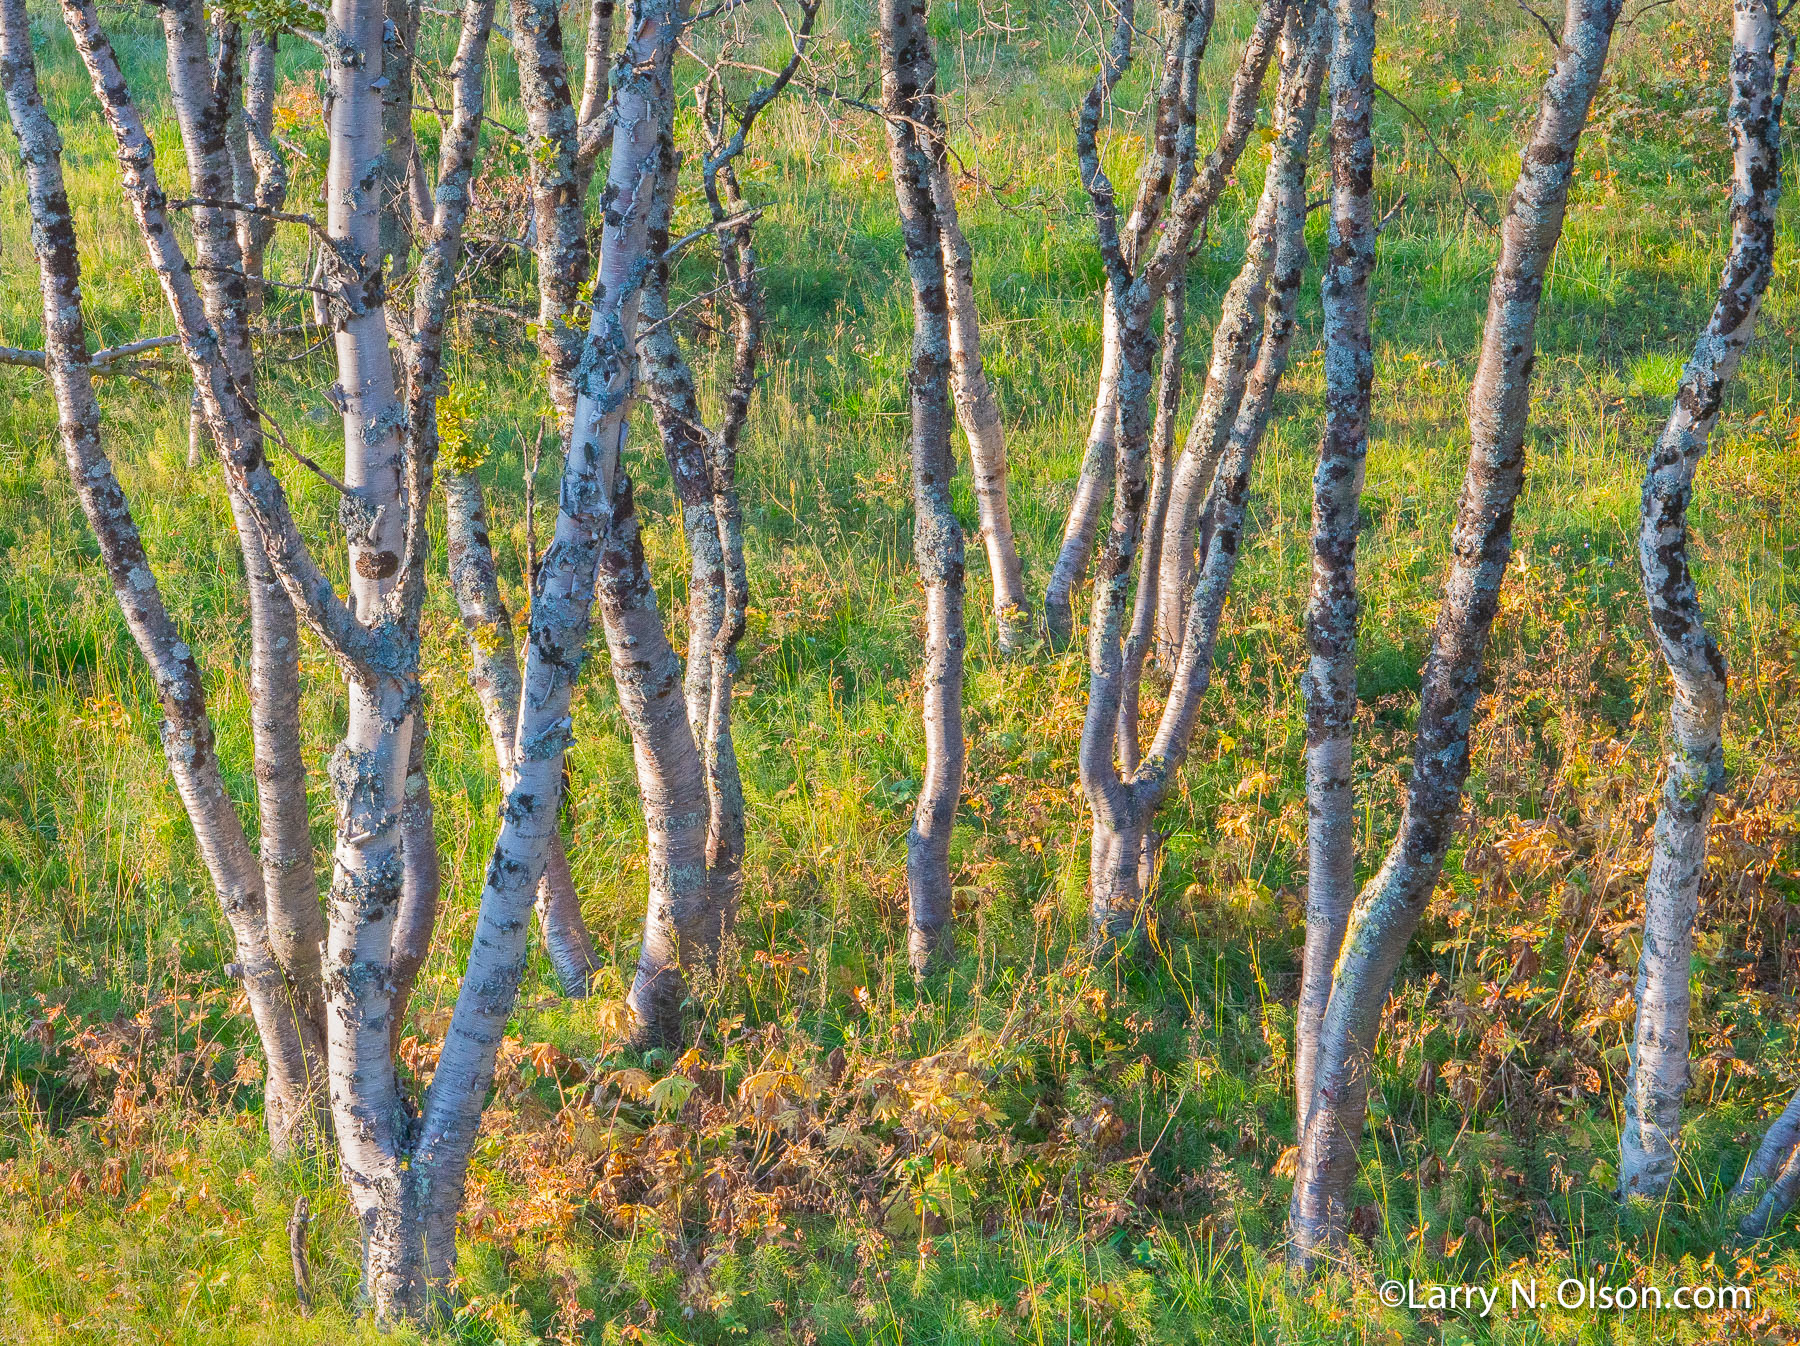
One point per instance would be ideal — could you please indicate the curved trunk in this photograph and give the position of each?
(1659, 1058)
(1386, 913)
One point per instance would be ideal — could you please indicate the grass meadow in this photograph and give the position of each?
(1025, 1149)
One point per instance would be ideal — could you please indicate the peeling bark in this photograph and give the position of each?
(1659, 1057)
(1388, 909)
(187, 732)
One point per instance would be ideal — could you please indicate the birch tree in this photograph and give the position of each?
(688, 774)
(1124, 802)
(1098, 462)
(204, 94)
(405, 1166)
(1387, 911)
(914, 126)
(283, 1019)
(1329, 684)
(978, 413)
(1659, 1054)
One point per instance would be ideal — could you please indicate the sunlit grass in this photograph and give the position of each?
(1130, 1183)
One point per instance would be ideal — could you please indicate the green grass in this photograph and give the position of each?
(1083, 1154)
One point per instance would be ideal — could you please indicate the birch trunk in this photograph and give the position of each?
(494, 674)
(1771, 1180)
(1386, 913)
(229, 57)
(1124, 805)
(560, 616)
(979, 415)
(369, 769)
(494, 669)
(1329, 684)
(914, 133)
(1091, 485)
(593, 126)
(407, 1193)
(187, 732)
(203, 97)
(1170, 377)
(1659, 1058)
(399, 204)
(1104, 449)
(267, 161)
(556, 192)
(664, 711)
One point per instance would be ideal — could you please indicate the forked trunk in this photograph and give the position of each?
(1124, 802)
(1154, 200)
(1771, 1180)
(1169, 381)
(1385, 915)
(1659, 1057)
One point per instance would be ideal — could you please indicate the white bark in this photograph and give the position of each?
(979, 415)
(560, 616)
(187, 732)
(1329, 684)
(1388, 910)
(1186, 215)
(557, 191)
(1659, 1059)
(914, 135)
